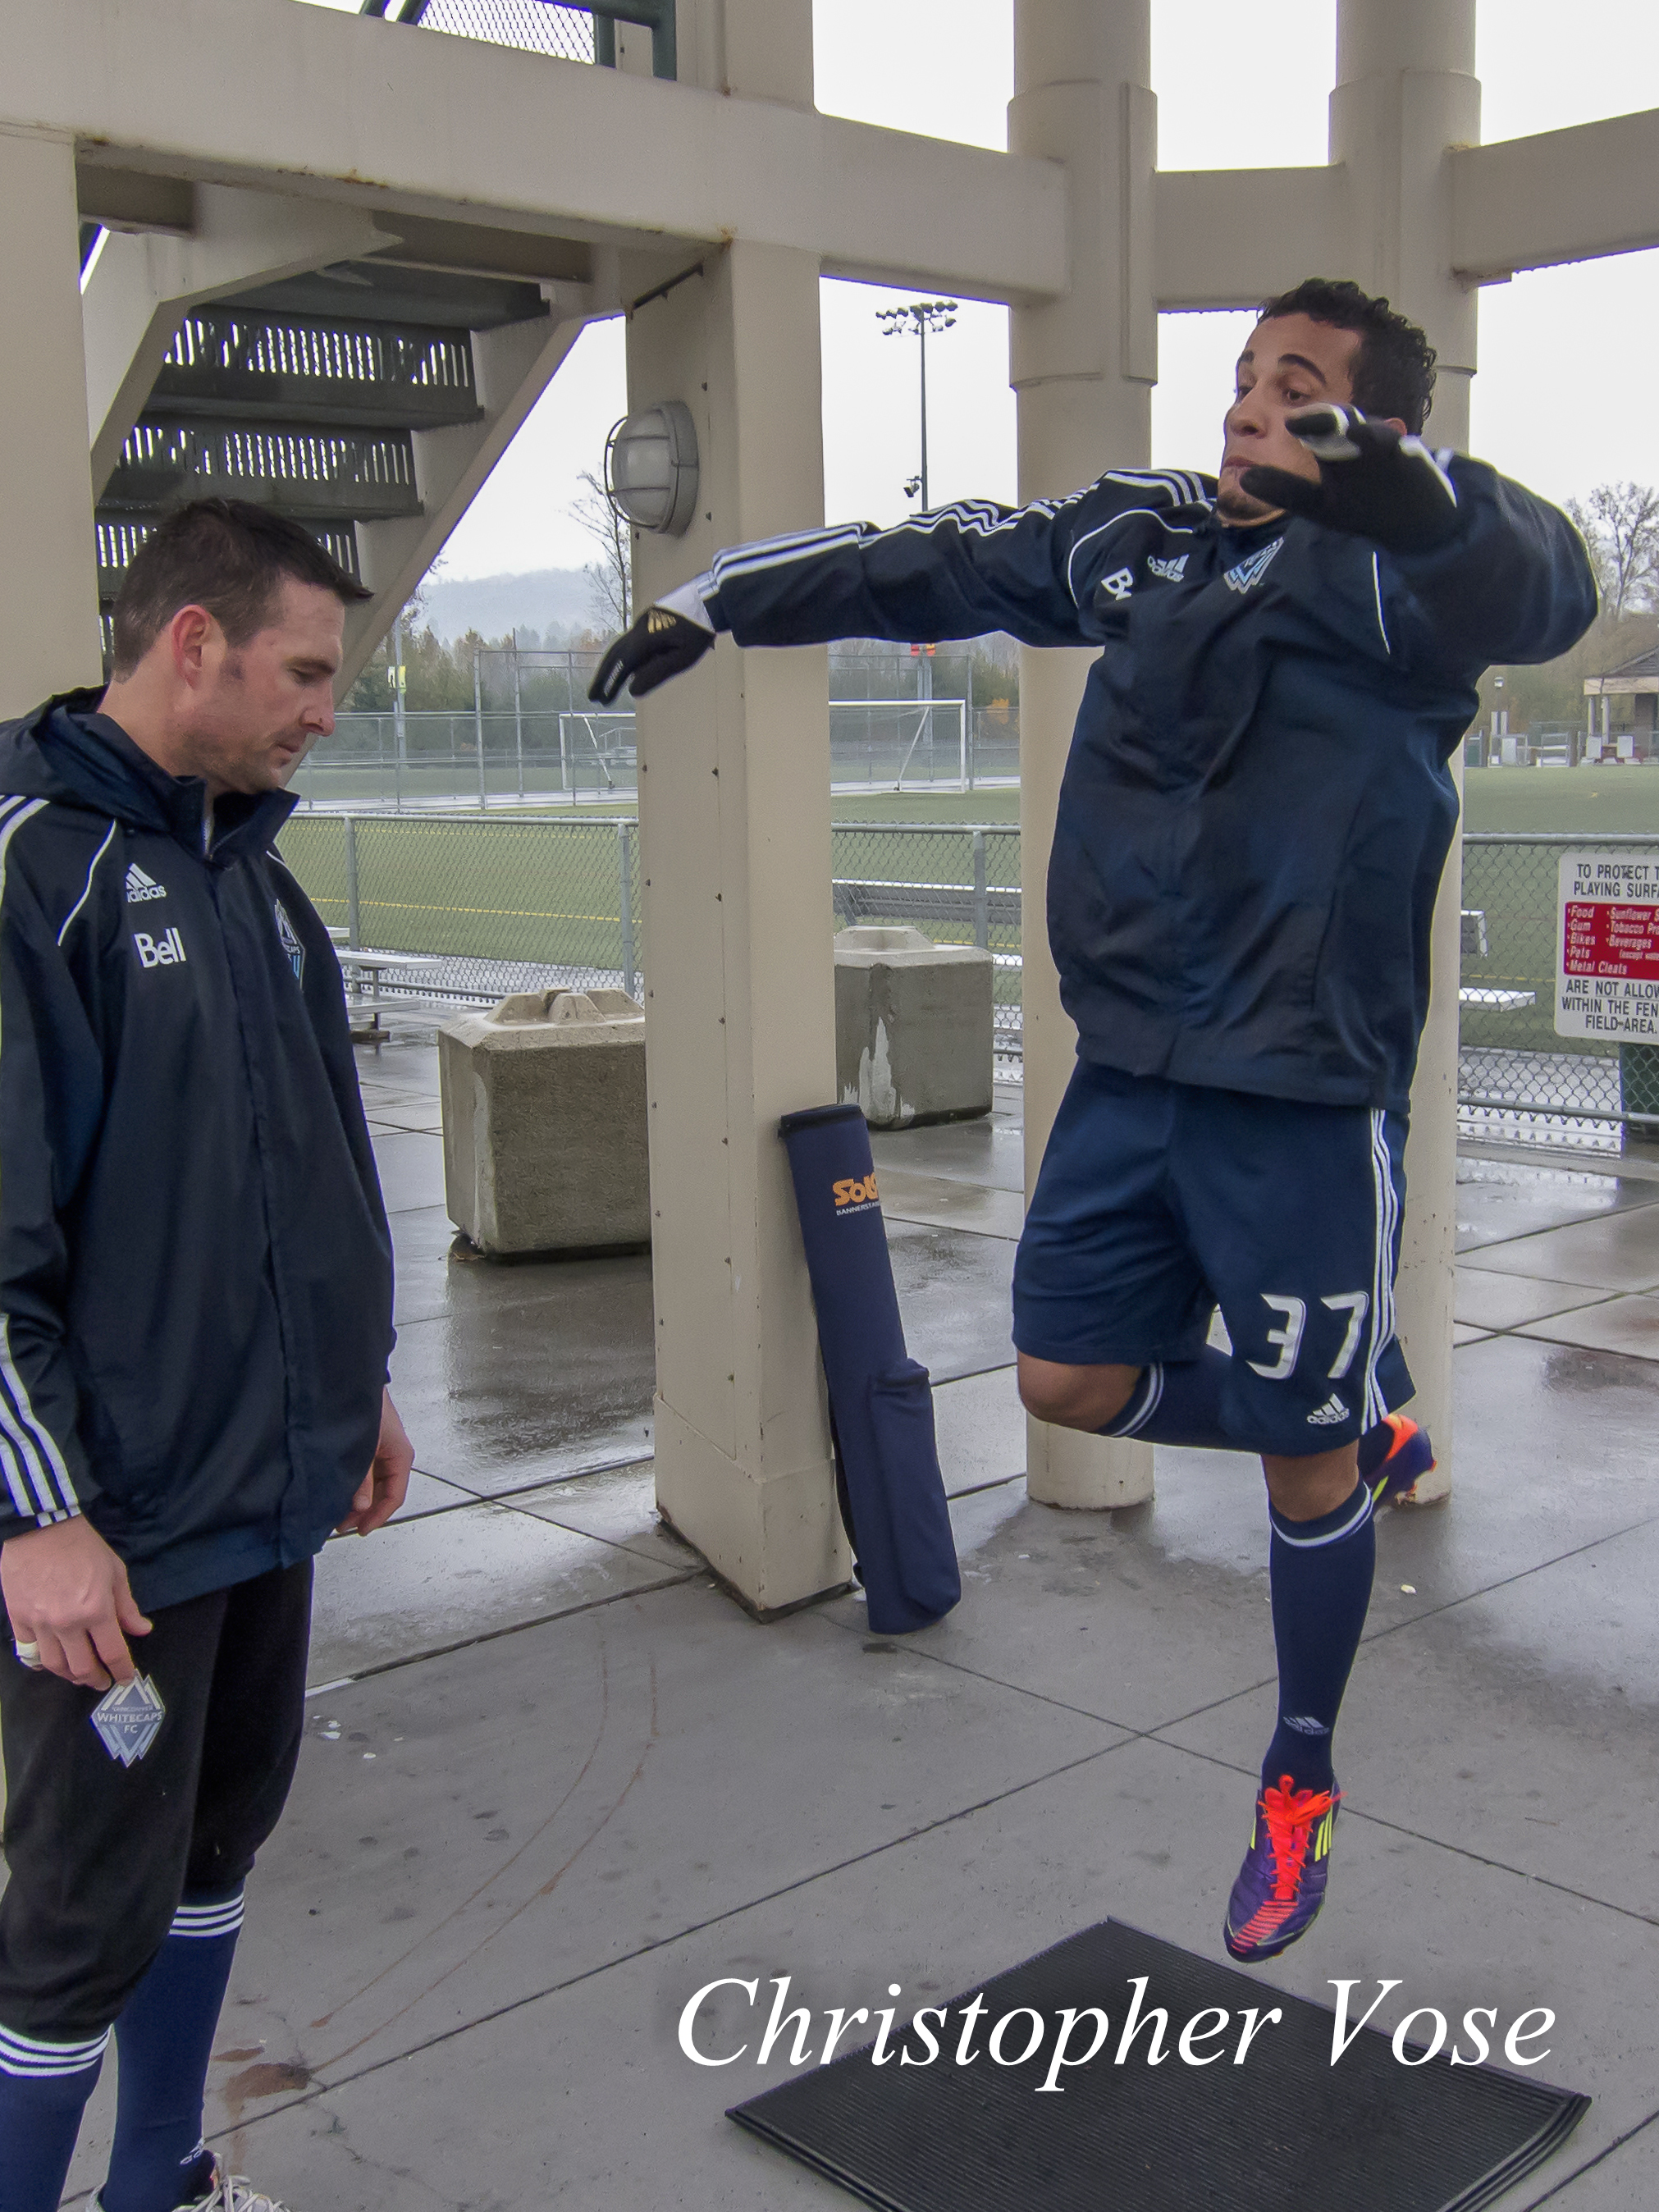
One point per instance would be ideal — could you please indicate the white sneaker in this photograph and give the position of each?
(231, 2192)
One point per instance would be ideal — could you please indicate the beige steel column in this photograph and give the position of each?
(1406, 93)
(1083, 366)
(49, 638)
(734, 813)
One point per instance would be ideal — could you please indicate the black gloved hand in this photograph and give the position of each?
(1372, 481)
(659, 645)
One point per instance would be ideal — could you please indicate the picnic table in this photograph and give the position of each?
(363, 967)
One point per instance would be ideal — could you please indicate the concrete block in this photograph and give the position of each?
(912, 1027)
(545, 1123)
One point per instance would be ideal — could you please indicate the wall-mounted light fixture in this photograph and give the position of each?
(651, 467)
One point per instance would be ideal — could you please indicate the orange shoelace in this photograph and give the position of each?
(1291, 1815)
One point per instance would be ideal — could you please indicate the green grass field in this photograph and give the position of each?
(1587, 800)
(503, 887)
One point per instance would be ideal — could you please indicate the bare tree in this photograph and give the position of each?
(1620, 527)
(611, 578)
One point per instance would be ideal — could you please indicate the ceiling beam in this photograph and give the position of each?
(1231, 238)
(309, 101)
(1559, 195)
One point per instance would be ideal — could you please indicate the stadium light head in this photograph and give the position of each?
(651, 467)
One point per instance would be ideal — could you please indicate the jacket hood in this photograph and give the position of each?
(67, 751)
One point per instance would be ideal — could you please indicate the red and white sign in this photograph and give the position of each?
(1608, 947)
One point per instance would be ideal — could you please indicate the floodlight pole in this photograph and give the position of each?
(922, 314)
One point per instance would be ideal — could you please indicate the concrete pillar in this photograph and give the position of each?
(1083, 366)
(1407, 92)
(734, 813)
(49, 638)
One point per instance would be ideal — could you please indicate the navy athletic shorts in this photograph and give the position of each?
(1158, 1201)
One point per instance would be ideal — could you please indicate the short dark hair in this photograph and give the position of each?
(1393, 368)
(227, 555)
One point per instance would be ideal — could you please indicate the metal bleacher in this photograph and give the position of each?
(306, 395)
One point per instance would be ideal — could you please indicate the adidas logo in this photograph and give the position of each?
(140, 886)
(1245, 576)
(1328, 1414)
(1171, 571)
(1305, 1724)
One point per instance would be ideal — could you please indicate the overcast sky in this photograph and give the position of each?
(1563, 398)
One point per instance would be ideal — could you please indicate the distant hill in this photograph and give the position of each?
(539, 600)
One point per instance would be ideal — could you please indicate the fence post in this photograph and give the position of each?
(477, 725)
(625, 901)
(518, 713)
(399, 737)
(982, 896)
(353, 933)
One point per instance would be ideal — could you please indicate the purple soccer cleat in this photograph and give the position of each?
(1281, 1884)
(1392, 1457)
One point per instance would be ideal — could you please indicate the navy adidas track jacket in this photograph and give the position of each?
(195, 1269)
(1257, 805)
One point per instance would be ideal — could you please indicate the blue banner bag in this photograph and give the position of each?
(881, 1403)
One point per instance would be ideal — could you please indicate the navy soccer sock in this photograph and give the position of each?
(165, 2039)
(1178, 1402)
(44, 2087)
(1321, 1575)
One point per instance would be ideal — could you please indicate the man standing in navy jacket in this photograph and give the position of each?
(195, 1320)
(1252, 827)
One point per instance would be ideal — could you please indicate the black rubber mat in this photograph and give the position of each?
(1285, 2127)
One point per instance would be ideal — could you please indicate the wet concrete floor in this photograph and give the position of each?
(556, 1781)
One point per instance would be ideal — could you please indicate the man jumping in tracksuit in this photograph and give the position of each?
(1252, 827)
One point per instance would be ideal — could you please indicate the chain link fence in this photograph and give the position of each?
(1516, 1077)
(464, 910)
(562, 749)
(456, 908)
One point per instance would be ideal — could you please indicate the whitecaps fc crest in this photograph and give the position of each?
(129, 1719)
(1245, 574)
(291, 945)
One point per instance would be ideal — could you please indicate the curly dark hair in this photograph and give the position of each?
(1393, 368)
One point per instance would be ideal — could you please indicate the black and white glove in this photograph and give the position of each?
(669, 637)
(1372, 481)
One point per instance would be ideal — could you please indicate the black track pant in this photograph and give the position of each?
(99, 1854)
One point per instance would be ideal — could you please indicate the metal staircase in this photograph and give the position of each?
(308, 395)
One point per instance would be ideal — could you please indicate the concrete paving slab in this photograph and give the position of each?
(503, 1390)
(433, 1582)
(619, 1506)
(980, 1427)
(1518, 1723)
(1623, 2179)
(427, 1494)
(1483, 1298)
(951, 1203)
(403, 1061)
(1498, 1200)
(1150, 1608)
(1093, 1611)
(544, 1803)
(411, 1165)
(435, 1281)
(420, 1115)
(990, 1151)
(583, 2098)
(954, 1297)
(1620, 1252)
(1462, 1334)
(1628, 1324)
